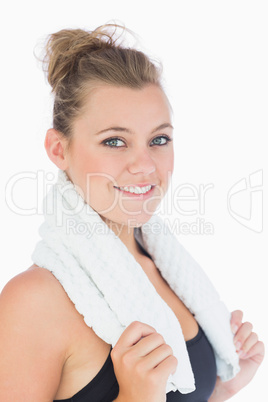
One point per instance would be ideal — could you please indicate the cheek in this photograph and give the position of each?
(99, 169)
(107, 170)
(171, 167)
(166, 166)
(86, 160)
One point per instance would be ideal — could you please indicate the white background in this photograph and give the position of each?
(215, 69)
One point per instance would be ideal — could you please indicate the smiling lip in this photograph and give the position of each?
(137, 185)
(140, 196)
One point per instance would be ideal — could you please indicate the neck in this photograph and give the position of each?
(126, 235)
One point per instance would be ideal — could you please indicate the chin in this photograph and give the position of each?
(137, 221)
(132, 221)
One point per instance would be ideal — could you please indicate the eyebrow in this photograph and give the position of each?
(126, 130)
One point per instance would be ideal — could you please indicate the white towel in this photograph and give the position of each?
(111, 290)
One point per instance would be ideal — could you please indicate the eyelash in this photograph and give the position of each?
(168, 139)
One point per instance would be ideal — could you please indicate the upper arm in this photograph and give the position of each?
(32, 348)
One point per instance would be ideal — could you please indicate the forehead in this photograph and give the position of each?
(113, 105)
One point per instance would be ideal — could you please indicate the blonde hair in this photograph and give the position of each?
(76, 60)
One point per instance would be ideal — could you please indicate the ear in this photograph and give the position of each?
(55, 145)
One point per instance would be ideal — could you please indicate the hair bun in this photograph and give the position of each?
(77, 61)
(65, 48)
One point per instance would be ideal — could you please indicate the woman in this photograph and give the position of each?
(112, 142)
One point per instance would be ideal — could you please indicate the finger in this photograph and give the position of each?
(236, 320)
(242, 334)
(248, 344)
(166, 367)
(147, 344)
(256, 353)
(156, 357)
(133, 333)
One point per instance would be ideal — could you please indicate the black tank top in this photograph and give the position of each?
(104, 386)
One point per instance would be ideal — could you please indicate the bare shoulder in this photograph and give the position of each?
(35, 316)
(33, 276)
(34, 289)
(36, 295)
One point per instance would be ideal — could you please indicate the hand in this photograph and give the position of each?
(247, 344)
(142, 364)
(251, 354)
(249, 348)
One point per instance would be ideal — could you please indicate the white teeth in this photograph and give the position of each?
(137, 190)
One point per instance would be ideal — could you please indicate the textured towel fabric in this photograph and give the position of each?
(110, 289)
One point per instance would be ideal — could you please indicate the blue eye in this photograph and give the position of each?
(113, 142)
(168, 139)
(158, 141)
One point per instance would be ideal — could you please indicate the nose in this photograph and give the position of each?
(142, 162)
